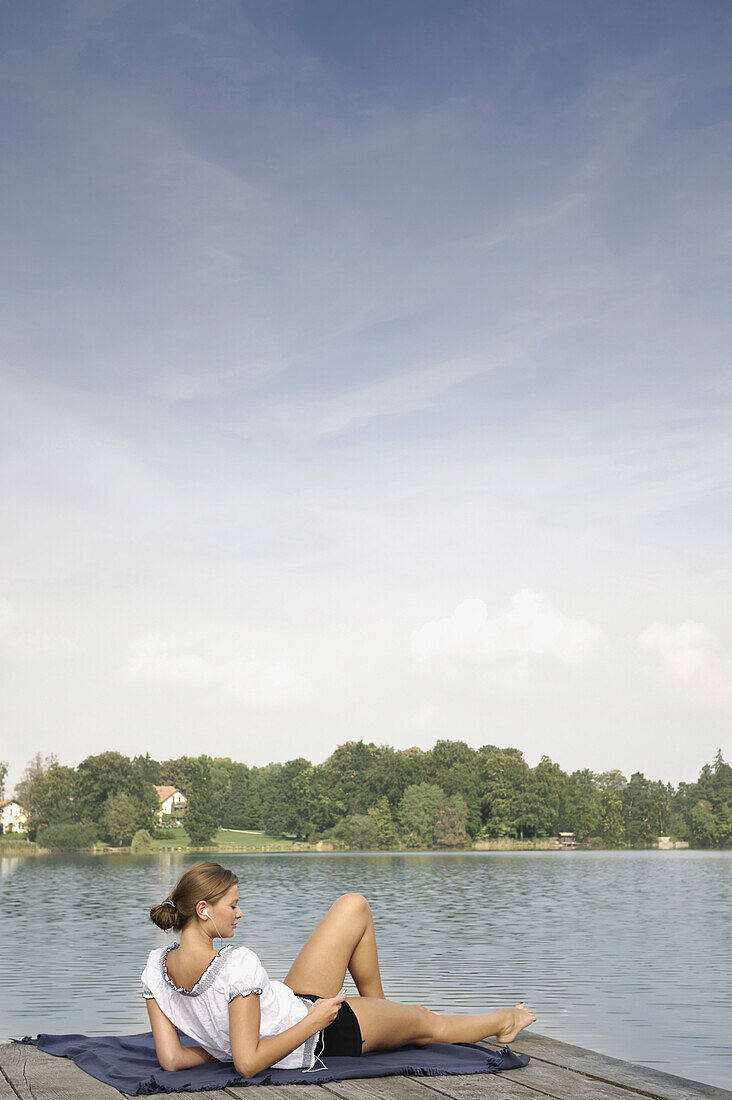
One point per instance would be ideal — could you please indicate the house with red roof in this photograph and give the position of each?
(172, 805)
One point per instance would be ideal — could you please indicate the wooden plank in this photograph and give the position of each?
(566, 1084)
(397, 1087)
(7, 1092)
(214, 1094)
(488, 1086)
(628, 1075)
(35, 1075)
(523, 1085)
(273, 1092)
(378, 1088)
(498, 1086)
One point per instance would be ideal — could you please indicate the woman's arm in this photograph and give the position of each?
(171, 1053)
(251, 1054)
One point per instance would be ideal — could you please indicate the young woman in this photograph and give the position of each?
(226, 1003)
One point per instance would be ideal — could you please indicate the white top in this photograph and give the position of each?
(203, 1012)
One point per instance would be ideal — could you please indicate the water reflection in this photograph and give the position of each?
(616, 951)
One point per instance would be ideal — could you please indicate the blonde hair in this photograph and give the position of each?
(202, 882)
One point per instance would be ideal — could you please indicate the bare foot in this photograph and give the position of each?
(516, 1019)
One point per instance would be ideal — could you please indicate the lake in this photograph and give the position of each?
(624, 952)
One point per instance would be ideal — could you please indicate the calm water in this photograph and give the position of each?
(624, 952)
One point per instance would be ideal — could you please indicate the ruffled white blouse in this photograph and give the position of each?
(203, 1012)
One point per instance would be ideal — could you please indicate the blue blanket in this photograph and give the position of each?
(129, 1063)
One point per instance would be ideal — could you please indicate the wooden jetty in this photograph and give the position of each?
(556, 1070)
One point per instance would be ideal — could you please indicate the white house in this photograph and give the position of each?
(13, 817)
(172, 805)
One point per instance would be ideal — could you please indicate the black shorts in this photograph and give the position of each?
(342, 1038)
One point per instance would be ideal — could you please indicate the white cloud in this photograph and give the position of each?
(257, 682)
(529, 627)
(157, 659)
(685, 657)
(407, 392)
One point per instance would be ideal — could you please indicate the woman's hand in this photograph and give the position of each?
(324, 1011)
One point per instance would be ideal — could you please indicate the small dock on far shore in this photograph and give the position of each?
(557, 1070)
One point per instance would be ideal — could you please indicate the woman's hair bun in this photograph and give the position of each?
(165, 916)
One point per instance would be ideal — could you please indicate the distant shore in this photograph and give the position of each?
(500, 844)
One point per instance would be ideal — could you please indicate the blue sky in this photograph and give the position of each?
(365, 373)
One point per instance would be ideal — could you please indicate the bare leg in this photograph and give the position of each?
(386, 1025)
(344, 940)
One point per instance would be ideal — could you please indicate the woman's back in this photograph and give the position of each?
(202, 1011)
(186, 971)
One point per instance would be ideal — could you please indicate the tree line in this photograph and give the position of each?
(368, 796)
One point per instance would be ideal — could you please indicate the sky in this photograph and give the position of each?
(364, 373)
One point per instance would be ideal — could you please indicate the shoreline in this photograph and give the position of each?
(302, 847)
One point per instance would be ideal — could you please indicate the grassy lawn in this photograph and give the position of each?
(225, 838)
(249, 836)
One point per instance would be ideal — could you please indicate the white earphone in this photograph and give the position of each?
(205, 916)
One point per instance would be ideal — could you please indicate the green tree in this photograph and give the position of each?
(202, 814)
(235, 812)
(451, 824)
(47, 794)
(148, 768)
(386, 833)
(288, 801)
(724, 827)
(346, 770)
(722, 800)
(458, 769)
(256, 797)
(529, 807)
(505, 777)
(60, 793)
(30, 792)
(702, 811)
(611, 785)
(119, 821)
(221, 769)
(414, 764)
(108, 774)
(389, 773)
(141, 841)
(703, 824)
(274, 797)
(418, 814)
(358, 831)
(549, 781)
(179, 772)
(3, 777)
(646, 810)
(321, 806)
(717, 788)
(581, 810)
